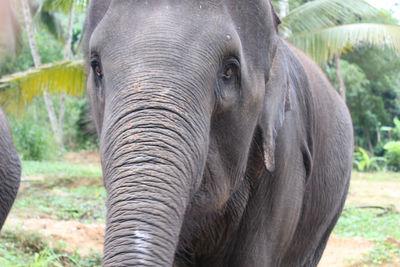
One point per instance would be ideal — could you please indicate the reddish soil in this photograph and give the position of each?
(86, 238)
(339, 250)
(84, 157)
(89, 237)
(374, 193)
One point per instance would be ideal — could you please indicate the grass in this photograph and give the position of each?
(85, 204)
(376, 176)
(60, 169)
(384, 251)
(67, 191)
(367, 224)
(360, 223)
(21, 249)
(370, 223)
(64, 191)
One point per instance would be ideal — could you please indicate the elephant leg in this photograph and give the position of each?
(314, 229)
(313, 260)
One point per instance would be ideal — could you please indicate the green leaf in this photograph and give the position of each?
(51, 23)
(321, 44)
(20, 88)
(64, 5)
(326, 13)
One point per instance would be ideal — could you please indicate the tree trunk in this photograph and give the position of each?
(370, 146)
(56, 125)
(283, 12)
(67, 56)
(67, 51)
(283, 8)
(31, 35)
(342, 87)
(37, 61)
(378, 134)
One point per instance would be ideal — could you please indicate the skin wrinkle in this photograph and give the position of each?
(120, 144)
(149, 241)
(114, 233)
(133, 164)
(143, 261)
(169, 165)
(129, 139)
(165, 158)
(143, 252)
(155, 97)
(155, 177)
(10, 169)
(125, 173)
(144, 198)
(118, 199)
(137, 116)
(143, 188)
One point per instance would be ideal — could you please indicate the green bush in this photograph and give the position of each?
(392, 155)
(32, 133)
(32, 140)
(33, 137)
(79, 130)
(364, 161)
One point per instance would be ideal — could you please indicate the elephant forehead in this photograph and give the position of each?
(162, 21)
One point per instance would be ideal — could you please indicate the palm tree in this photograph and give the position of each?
(321, 28)
(324, 28)
(28, 84)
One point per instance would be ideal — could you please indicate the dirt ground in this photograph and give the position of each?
(86, 157)
(340, 249)
(380, 194)
(90, 237)
(86, 238)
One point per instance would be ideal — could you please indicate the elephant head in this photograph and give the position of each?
(189, 98)
(10, 170)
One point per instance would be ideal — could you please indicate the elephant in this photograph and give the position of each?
(10, 169)
(221, 144)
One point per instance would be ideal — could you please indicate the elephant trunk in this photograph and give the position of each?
(153, 154)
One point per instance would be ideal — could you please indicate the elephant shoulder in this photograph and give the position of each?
(330, 114)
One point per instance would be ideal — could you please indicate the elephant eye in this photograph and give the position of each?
(230, 70)
(97, 68)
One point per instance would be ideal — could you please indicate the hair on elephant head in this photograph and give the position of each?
(10, 169)
(221, 144)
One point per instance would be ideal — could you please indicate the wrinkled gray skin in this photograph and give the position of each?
(221, 144)
(10, 169)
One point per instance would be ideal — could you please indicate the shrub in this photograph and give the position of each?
(364, 161)
(32, 140)
(392, 155)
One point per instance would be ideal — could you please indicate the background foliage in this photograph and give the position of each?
(370, 74)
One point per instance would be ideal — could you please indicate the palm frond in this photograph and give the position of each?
(18, 89)
(64, 5)
(51, 23)
(321, 44)
(325, 13)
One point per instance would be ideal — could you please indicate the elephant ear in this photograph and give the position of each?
(276, 103)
